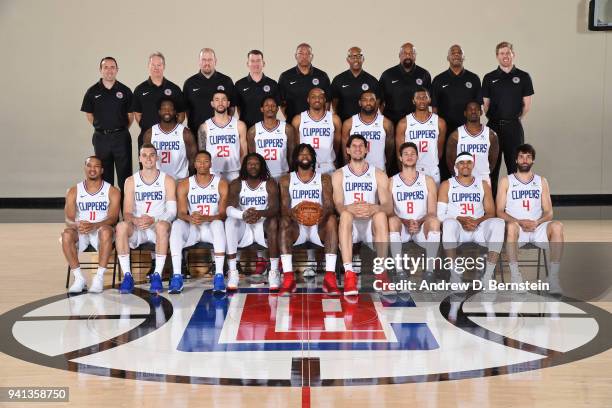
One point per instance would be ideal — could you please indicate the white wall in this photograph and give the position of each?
(50, 51)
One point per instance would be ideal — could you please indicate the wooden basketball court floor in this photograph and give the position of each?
(32, 268)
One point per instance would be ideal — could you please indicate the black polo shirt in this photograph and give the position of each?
(294, 87)
(506, 92)
(348, 88)
(450, 93)
(198, 92)
(146, 97)
(110, 107)
(397, 89)
(249, 95)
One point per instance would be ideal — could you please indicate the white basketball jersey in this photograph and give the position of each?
(320, 135)
(92, 207)
(465, 201)
(478, 146)
(375, 134)
(272, 145)
(253, 197)
(204, 199)
(150, 199)
(410, 200)
(359, 188)
(310, 190)
(524, 200)
(223, 143)
(171, 151)
(425, 136)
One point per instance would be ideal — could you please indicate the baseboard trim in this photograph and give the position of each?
(559, 200)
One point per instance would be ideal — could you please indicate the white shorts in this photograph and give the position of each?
(308, 234)
(227, 175)
(362, 231)
(326, 168)
(489, 233)
(88, 239)
(191, 234)
(140, 237)
(433, 172)
(539, 237)
(245, 234)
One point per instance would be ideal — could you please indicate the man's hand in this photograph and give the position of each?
(143, 222)
(84, 227)
(468, 224)
(528, 225)
(197, 218)
(251, 215)
(359, 210)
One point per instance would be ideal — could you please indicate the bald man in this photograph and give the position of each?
(451, 90)
(398, 83)
(348, 86)
(199, 88)
(295, 83)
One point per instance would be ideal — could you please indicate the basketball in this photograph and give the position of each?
(308, 213)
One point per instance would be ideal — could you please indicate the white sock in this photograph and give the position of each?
(260, 253)
(100, 271)
(176, 264)
(554, 270)
(348, 267)
(287, 260)
(160, 260)
(489, 270)
(124, 261)
(231, 263)
(274, 264)
(395, 247)
(219, 259)
(77, 273)
(330, 262)
(431, 249)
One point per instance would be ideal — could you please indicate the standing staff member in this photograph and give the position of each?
(107, 105)
(507, 95)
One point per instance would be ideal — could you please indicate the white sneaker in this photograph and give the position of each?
(78, 286)
(97, 284)
(309, 272)
(274, 280)
(233, 280)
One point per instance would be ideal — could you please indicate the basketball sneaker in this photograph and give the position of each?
(156, 284)
(261, 265)
(288, 285)
(127, 284)
(78, 286)
(330, 285)
(218, 283)
(97, 284)
(274, 280)
(233, 278)
(309, 272)
(176, 284)
(350, 283)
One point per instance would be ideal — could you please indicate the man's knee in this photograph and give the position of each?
(69, 236)
(162, 228)
(105, 233)
(346, 218)
(513, 229)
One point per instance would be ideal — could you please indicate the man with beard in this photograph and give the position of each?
(361, 197)
(523, 201)
(92, 208)
(201, 202)
(374, 127)
(425, 129)
(476, 139)
(149, 92)
(507, 94)
(224, 137)
(174, 142)
(347, 87)
(450, 91)
(467, 211)
(415, 204)
(273, 139)
(295, 83)
(304, 184)
(398, 83)
(252, 216)
(321, 129)
(148, 209)
(199, 88)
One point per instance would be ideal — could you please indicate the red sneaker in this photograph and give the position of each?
(260, 266)
(288, 286)
(330, 285)
(350, 283)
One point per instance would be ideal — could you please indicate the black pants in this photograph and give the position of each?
(510, 135)
(115, 151)
(445, 172)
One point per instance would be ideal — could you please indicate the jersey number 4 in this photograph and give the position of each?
(526, 205)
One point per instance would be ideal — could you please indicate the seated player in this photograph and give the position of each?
(372, 125)
(321, 129)
(425, 129)
(362, 198)
(272, 138)
(476, 139)
(298, 190)
(466, 209)
(252, 216)
(201, 201)
(224, 137)
(91, 210)
(176, 147)
(415, 202)
(149, 207)
(523, 201)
